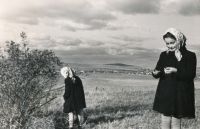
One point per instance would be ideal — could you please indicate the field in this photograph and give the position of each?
(119, 101)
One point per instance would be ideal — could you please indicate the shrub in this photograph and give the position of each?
(26, 78)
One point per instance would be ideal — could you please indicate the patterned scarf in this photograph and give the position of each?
(180, 38)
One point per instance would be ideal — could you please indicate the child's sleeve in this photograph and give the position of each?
(81, 84)
(67, 89)
(159, 67)
(186, 68)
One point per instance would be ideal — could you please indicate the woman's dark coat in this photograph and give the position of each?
(74, 95)
(175, 92)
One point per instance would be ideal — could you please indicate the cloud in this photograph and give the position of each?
(114, 27)
(2, 43)
(77, 42)
(183, 7)
(87, 14)
(67, 41)
(100, 59)
(42, 41)
(90, 25)
(94, 43)
(66, 14)
(69, 28)
(120, 51)
(41, 36)
(83, 46)
(136, 51)
(94, 25)
(129, 39)
(134, 6)
(82, 52)
(191, 7)
(25, 20)
(107, 51)
(112, 51)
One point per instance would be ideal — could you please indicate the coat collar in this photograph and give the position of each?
(182, 49)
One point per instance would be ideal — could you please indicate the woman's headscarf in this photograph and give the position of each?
(180, 37)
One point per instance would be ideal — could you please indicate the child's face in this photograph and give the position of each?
(65, 74)
(171, 44)
(70, 74)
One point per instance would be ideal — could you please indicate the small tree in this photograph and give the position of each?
(26, 78)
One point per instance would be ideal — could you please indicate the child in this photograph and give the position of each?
(74, 97)
(176, 69)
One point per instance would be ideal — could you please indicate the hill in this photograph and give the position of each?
(119, 64)
(115, 66)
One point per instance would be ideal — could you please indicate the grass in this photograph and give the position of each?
(116, 101)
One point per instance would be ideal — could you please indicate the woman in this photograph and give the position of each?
(176, 69)
(74, 97)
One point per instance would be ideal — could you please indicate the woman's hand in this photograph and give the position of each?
(169, 70)
(178, 55)
(155, 72)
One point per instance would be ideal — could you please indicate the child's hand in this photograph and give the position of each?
(178, 55)
(169, 70)
(155, 72)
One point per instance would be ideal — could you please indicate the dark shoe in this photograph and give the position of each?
(71, 128)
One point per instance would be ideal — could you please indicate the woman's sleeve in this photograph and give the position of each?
(186, 71)
(67, 89)
(159, 67)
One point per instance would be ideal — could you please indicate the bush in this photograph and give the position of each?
(26, 78)
(40, 123)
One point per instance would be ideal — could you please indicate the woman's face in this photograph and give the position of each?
(171, 44)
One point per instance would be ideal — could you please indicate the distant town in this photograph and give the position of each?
(118, 68)
(120, 71)
(103, 70)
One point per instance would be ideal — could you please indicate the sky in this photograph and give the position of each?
(101, 31)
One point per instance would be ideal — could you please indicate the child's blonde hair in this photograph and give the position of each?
(70, 71)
